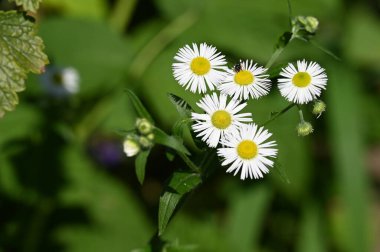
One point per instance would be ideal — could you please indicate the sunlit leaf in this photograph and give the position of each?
(28, 5)
(21, 52)
(140, 164)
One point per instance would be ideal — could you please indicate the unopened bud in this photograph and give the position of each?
(145, 142)
(150, 136)
(304, 128)
(304, 26)
(144, 126)
(318, 108)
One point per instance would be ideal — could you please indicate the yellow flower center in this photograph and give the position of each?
(247, 149)
(244, 77)
(221, 119)
(200, 65)
(301, 79)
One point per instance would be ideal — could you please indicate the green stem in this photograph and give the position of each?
(159, 42)
(290, 12)
(121, 14)
(189, 163)
(300, 114)
(278, 114)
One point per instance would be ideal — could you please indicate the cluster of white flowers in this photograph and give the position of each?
(241, 144)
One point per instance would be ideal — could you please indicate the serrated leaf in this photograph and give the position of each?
(162, 138)
(137, 104)
(184, 182)
(28, 5)
(20, 53)
(140, 165)
(167, 206)
(183, 108)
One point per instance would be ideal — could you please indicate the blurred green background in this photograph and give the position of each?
(65, 184)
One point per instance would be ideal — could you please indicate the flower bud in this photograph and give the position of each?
(144, 126)
(304, 26)
(304, 128)
(145, 142)
(150, 136)
(131, 146)
(318, 108)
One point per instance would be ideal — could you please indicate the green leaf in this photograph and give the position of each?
(179, 184)
(184, 182)
(167, 206)
(183, 108)
(21, 52)
(28, 5)
(140, 109)
(162, 138)
(140, 164)
(180, 126)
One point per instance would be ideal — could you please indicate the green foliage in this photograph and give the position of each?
(168, 204)
(169, 141)
(93, 207)
(117, 222)
(28, 5)
(140, 164)
(21, 52)
(184, 182)
(179, 184)
(348, 142)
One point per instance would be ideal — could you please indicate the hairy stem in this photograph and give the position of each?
(279, 114)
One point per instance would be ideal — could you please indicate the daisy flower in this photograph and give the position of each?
(246, 81)
(303, 83)
(199, 68)
(219, 119)
(246, 150)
